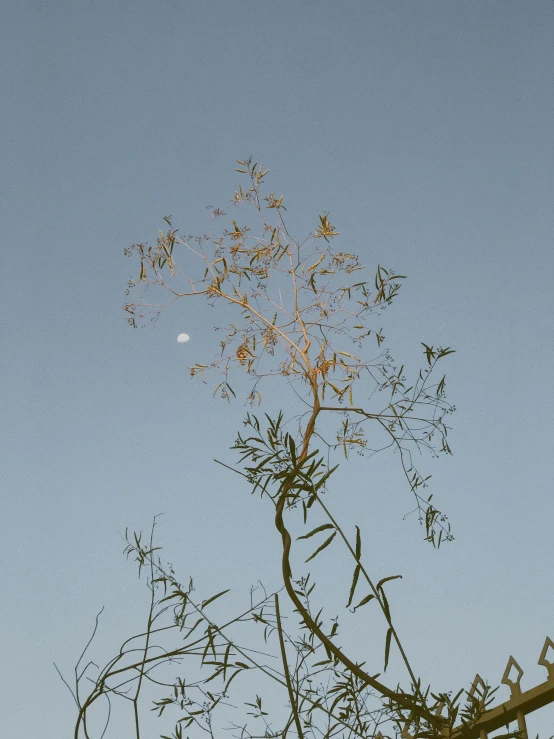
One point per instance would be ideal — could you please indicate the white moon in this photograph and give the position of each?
(182, 338)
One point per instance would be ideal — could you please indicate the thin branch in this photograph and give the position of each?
(286, 669)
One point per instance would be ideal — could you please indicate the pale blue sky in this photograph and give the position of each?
(425, 128)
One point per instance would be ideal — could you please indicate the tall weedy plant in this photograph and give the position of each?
(304, 313)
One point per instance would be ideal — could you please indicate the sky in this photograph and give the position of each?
(424, 127)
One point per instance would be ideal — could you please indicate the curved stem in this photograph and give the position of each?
(375, 592)
(403, 700)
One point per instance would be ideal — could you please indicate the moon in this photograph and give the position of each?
(182, 338)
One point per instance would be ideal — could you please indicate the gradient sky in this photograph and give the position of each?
(425, 128)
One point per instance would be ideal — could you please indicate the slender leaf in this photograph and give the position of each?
(317, 530)
(211, 600)
(363, 602)
(354, 583)
(386, 579)
(323, 546)
(387, 647)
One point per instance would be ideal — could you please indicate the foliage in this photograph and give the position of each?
(304, 313)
